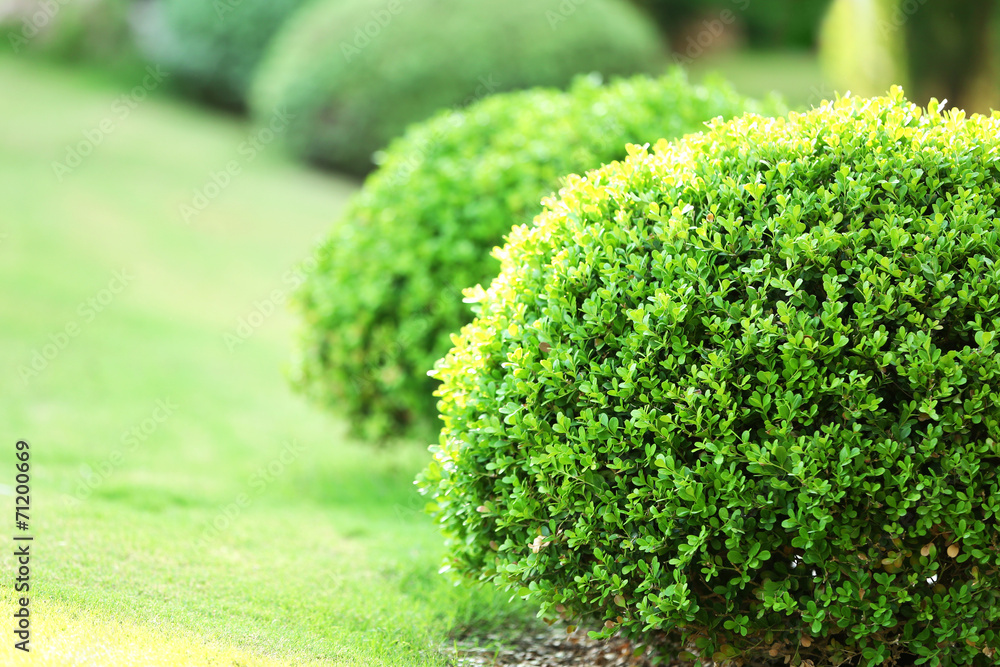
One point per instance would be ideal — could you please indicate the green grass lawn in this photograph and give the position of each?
(186, 507)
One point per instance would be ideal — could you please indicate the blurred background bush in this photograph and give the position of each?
(212, 48)
(354, 73)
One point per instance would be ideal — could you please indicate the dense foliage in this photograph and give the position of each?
(212, 47)
(386, 296)
(355, 73)
(744, 391)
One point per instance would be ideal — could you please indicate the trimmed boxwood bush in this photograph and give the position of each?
(212, 47)
(743, 392)
(386, 295)
(355, 73)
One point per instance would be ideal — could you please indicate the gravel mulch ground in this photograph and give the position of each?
(555, 648)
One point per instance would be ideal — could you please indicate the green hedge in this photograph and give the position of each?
(745, 391)
(213, 47)
(381, 306)
(355, 73)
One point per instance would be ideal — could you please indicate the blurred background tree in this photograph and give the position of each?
(947, 50)
(952, 49)
(770, 24)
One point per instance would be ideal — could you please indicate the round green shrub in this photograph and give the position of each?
(743, 393)
(386, 295)
(70, 30)
(212, 47)
(354, 73)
